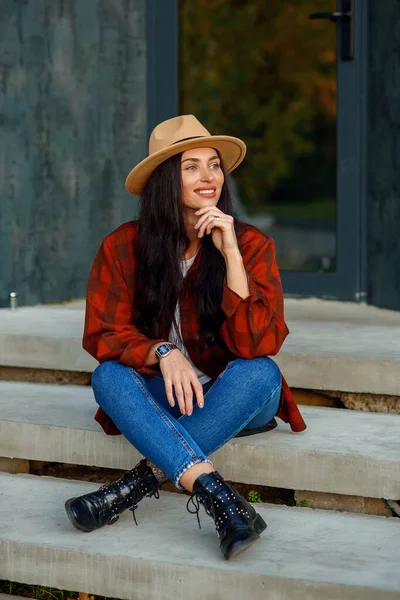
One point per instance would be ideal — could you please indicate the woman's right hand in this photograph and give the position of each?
(179, 376)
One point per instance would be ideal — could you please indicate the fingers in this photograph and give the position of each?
(198, 390)
(213, 212)
(180, 397)
(181, 379)
(169, 392)
(210, 222)
(207, 209)
(184, 394)
(188, 393)
(184, 389)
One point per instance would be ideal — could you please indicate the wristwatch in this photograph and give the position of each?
(164, 349)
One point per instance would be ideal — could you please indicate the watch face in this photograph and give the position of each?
(163, 350)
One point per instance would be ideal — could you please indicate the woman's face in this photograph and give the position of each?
(202, 178)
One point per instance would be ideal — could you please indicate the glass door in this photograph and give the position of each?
(291, 87)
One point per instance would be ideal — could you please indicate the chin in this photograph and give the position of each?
(202, 202)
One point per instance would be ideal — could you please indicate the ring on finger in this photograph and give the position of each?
(216, 218)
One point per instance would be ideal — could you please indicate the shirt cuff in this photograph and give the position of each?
(231, 300)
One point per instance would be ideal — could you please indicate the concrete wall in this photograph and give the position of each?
(72, 124)
(73, 121)
(383, 246)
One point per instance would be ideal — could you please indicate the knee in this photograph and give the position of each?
(261, 372)
(103, 374)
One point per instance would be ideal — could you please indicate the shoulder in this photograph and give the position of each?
(124, 235)
(251, 237)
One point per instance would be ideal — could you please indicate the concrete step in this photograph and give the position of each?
(338, 346)
(341, 452)
(303, 555)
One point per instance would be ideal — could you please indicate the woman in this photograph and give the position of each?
(184, 306)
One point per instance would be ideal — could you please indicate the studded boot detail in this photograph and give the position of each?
(237, 523)
(103, 507)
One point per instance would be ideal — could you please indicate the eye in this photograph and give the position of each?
(190, 168)
(214, 166)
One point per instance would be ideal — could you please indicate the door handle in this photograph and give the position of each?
(332, 16)
(345, 19)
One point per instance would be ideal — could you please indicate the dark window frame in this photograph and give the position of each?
(349, 282)
(162, 33)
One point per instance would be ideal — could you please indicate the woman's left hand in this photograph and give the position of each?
(221, 226)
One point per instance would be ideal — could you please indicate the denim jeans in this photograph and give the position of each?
(246, 394)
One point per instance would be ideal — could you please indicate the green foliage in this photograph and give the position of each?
(254, 496)
(39, 592)
(35, 591)
(322, 210)
(302, 503)
(264, 72)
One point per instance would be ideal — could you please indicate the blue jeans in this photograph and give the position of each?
(246, 394)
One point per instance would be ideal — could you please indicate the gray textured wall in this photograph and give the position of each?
(384, 154)
(72, 125)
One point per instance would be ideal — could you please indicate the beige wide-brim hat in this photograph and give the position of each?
(177, 135)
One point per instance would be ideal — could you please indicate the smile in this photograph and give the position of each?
(209, 192)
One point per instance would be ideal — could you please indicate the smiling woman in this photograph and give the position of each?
(184, 308)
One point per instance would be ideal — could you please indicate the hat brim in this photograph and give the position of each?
(231, 149)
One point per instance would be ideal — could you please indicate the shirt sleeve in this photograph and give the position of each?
(255, 325)
(109, 332)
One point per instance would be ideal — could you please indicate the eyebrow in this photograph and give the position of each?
(198, 160)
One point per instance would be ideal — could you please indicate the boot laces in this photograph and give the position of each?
(205, 498)
(137, 491)
(216, 507)
(195, 500)
(137, 495)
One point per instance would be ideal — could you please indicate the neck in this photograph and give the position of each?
(190, 220)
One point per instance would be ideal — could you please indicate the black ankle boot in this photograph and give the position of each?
(103, 507)
(238, 524)
(262, 429)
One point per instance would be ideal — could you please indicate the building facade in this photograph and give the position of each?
(83, 84)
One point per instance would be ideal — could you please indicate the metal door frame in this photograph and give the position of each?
(349, 282)
(162, 33)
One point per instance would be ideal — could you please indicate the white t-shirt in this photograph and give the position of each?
(174, 338)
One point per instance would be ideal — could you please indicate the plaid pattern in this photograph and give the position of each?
(254, 326)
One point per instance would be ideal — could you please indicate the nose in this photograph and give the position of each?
(205, 173)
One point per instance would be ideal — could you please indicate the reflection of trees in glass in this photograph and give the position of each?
(263, 71)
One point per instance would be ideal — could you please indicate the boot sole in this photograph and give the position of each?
(263, 429)
(71, 516)
(241, 546)
(259, 525)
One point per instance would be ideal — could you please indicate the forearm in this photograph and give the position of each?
(236, 276)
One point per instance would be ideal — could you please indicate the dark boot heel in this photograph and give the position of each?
(237, 523)
(259, 524)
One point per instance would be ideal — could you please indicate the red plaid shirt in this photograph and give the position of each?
(254, 326)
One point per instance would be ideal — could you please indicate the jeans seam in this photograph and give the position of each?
(251, 417)
(167, 421)
(228, 366)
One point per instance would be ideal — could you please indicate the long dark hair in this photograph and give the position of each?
(161, 243)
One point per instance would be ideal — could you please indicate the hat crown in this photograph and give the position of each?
(175, 130)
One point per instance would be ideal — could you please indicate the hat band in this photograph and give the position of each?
(194, 137)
